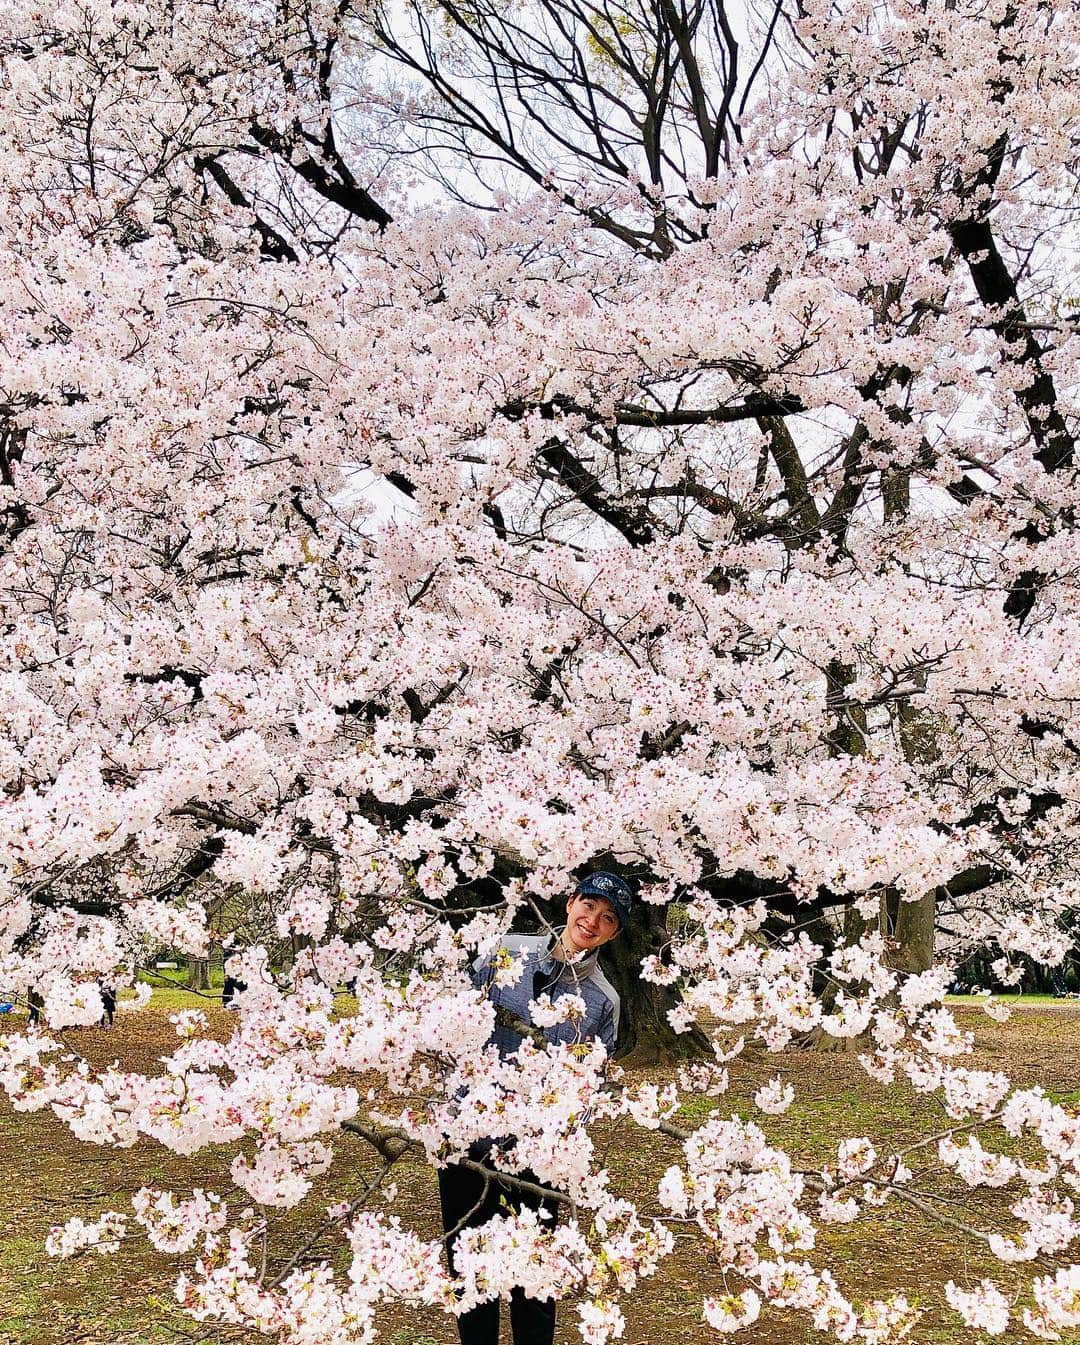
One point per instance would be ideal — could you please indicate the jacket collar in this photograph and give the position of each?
(577, 971)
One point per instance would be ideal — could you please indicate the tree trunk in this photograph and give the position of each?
(198, 973)
(913, 934)
(910, 924)
(645, 1035)
(847, 735)
(817, 1039)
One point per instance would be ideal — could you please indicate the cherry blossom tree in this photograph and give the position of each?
(721, 369)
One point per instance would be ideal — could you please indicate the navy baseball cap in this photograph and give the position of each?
(612, 888)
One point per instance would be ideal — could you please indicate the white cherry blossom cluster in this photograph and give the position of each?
(101, 1236)
(365, 581)
(175, 1226)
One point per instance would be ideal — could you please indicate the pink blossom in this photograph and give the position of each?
(102, 1236)
(985, 1308)
(733, 1312)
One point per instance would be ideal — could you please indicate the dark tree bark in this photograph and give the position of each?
(913, 934)
(817, 1039)
(645, 1034)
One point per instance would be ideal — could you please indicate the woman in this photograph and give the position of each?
(566, 965)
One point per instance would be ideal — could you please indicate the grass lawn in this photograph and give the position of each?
(1012, 999)
(127, 1300)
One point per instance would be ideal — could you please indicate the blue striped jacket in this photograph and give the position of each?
(543, 974)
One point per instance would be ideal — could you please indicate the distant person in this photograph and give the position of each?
(108, 1004)
(36, 1004)
(233, 986)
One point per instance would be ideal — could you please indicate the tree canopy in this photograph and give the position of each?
(446, 448)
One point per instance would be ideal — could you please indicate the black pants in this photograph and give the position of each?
(532, 1320)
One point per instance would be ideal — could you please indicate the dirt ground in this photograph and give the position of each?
(127, 1299)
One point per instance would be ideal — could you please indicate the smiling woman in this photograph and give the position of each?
(598, 911)
(553, 984)
(590, 923)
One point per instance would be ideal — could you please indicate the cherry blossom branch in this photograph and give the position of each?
(315, 1237)
(393, 1143)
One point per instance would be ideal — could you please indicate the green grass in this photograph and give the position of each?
(170, 994)
(18, 1256)
(1008, 997)
(810, 1126)
(124, 1300)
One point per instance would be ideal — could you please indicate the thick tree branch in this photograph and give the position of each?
(274, 246)
(586, 487)
(753, 406)
(343, 191)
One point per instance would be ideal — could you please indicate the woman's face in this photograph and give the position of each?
(590, 923)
